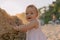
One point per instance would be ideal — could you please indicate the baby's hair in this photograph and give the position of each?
(32, 6)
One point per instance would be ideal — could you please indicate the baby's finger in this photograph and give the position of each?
(16, 28)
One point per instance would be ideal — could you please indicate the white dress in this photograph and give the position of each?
(35, 34)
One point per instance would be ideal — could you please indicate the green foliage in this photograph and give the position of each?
(53, 8)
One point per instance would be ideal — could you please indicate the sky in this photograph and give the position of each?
(18, 6)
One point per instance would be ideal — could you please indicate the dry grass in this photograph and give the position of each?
(6, 27)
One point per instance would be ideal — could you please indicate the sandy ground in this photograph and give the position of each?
(51, 31)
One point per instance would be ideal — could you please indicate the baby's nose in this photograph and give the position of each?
(29, 14)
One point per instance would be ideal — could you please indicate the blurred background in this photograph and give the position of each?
(12, 13)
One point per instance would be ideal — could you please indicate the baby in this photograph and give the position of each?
(32, 29)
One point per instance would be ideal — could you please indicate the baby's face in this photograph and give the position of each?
(31, 13)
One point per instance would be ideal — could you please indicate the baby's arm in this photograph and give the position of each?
(29, 26)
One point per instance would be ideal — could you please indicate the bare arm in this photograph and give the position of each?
(29, 26)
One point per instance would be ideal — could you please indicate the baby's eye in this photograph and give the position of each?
(26, 13)
(31, 13)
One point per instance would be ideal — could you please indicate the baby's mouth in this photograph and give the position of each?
(29, 18)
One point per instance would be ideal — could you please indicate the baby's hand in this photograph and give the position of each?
(34, 20)
(36, 23)
(16, 28)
